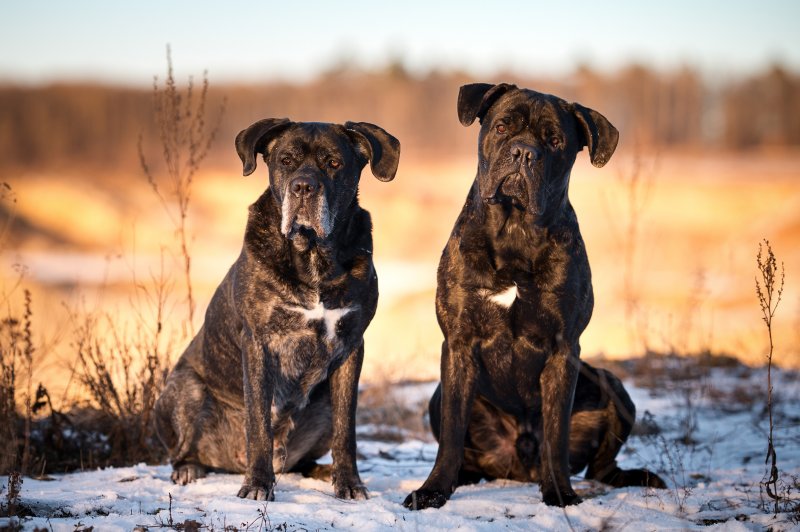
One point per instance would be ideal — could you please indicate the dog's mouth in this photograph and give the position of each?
(518, 190)
(298, 215)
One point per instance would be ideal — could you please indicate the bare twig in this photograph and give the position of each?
(185, 139)
(769, 296)
(27, 357)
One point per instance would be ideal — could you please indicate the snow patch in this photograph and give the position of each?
(713, 480)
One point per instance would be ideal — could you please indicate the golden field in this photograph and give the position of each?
(675, 275)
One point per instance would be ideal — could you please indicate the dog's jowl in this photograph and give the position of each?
(514, 295)
(269, 383)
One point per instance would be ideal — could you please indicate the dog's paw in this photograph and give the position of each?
(561, 499)
(421, 499)
(355, 491)
(186, 473)
(256, 492)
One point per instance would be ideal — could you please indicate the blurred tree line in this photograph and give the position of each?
(97, 126)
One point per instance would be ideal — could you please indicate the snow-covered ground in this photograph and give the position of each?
(706, 436)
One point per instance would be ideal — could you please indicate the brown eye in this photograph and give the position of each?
(286, 161)
(555, 142)
(501, 128)
(333, 163)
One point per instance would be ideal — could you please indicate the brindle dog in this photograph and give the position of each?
(269, 383)
(514, 295)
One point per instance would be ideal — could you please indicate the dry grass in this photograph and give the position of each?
(120, 361)
(123, 373)
(16, 361)
(120, 371)
(384, 414)
(16, 398)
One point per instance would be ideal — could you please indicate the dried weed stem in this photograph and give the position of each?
(185, 139)
(769, 290)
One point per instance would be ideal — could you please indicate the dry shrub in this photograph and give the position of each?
(769, 289)
(186, 137)
(123, 373)
(16, 360)
(123, 367)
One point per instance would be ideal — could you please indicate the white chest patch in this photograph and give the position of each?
(505, 298)
(330, 316)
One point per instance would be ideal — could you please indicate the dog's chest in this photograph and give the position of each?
(319, 314)
(514, 310)
(502, 297)
(309, 339)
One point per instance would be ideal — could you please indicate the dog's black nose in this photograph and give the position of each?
(525, 153)
(303, 186)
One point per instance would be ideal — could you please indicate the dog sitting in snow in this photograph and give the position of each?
(269, 383)
(514, 295)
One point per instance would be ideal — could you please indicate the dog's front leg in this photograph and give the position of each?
(344, 399)
(557, 382)
(458, 391)
(259, 385)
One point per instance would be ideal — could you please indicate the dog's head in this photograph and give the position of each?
(314, 168)
(528, 143)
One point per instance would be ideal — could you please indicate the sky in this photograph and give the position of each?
(124, 42)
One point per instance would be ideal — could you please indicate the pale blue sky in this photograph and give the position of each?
(124, 41)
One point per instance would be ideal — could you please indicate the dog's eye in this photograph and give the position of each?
(335, 164)
(286, 160)
(500, 128)
(555, 142)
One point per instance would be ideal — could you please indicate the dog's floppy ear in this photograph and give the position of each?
(255, 139)
(599, 135)
(476, 98)
(380, 148)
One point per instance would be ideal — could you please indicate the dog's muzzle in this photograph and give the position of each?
(305, 205)
(522, 185)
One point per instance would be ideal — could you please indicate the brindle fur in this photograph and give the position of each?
(269, 382)
(514, 295)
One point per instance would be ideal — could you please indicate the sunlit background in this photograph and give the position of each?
(706, 96)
